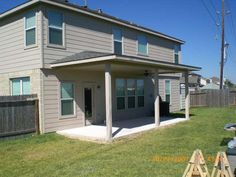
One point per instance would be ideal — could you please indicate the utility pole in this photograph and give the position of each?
(222, 46)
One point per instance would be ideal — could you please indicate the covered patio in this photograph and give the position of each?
(115, 64)
(119, 128)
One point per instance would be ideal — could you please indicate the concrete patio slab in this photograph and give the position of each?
(119, 128)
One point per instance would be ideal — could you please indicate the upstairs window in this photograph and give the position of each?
(20, 86)
(167, 91)
(176, 51)
(142, 45)
(117, 41)
(30, 29)
(55, 25)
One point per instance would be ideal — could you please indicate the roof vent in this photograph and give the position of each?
(65, 1)
(100, 11)
(85, 4)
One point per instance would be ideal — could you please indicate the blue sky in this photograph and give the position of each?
(184, 19)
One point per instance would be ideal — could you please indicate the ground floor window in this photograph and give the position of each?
(140, 92)
(20, 86)
(120, 93)
(167, 91)
(67, 99)
(129, 93)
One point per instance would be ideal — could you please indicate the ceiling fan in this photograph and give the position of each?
(146, 73)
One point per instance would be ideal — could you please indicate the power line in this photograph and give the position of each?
(223, 33)
(231, 56)
(232, 24)
(209, 12)
(216, 11)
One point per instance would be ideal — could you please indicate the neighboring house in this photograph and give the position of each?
(210, 86)
(203, 81)
(215, 80)
(85, 66)
(194, 81)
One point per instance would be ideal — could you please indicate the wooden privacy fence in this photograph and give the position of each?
(18, 115)
(213, 98)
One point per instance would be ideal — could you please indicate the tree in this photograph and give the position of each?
(229, 84)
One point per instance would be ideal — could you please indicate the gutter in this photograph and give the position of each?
(18, 8)
(126, 59)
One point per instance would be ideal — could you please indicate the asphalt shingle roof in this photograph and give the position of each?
(93, 54)
(101, 14)
(82, 56)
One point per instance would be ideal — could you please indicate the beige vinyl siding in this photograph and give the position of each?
(14, 56)
(34, 75)
(51, 100)
(175, 92)
(81, 33)
(158, 48)
(88, 33)
(51, 89)
(175, 104)
(35, 85)
(161, 49)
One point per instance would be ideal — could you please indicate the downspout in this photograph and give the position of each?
(41, 98)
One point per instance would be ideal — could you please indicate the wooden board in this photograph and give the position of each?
(197, 166)
(221, 167)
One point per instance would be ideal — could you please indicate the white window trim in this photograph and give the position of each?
(120, 96)
(74, 115)
(140, 95)
(126, 94)
(137, 43)
(135, 87)
(21, 84)
(63, 46)
(170, 90)
(113, 40)
(36, 32)
(178, 53)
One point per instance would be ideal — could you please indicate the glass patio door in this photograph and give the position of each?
(89, 105)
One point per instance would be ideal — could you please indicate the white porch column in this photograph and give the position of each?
(187, 96)
(156, 98)
(108, 97)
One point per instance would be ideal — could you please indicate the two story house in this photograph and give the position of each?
(87, 67)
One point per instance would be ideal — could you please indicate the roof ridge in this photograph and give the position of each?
(93, 13)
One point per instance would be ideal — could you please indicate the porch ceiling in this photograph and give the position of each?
(119, 63)
(117, 68)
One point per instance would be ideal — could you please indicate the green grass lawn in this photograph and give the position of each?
(161, 153)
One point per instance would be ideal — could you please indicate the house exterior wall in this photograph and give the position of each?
(51, 104)
(14, 56)
(35, 76)
(17, 60)
(34, 81)
(51, 90)
(83, 33)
